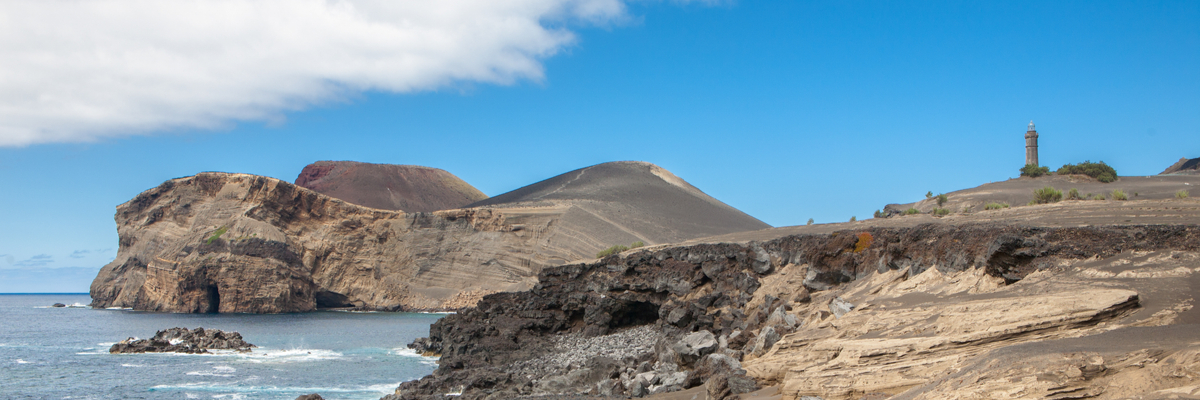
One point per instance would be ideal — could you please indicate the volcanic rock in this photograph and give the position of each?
(182, 340)
(1183, 167)
(218, 242)
(407, 188)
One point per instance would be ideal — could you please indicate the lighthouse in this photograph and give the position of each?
(1031, 145)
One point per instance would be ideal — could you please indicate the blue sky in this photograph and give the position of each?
(785, 110)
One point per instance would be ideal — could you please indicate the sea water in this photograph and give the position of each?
(62, 353)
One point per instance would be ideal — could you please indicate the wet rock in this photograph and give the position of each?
(313, 396)
(58, 305)
(182, 340)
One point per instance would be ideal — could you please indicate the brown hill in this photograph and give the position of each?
(408, 188)
(1184, 167)
(219, 242)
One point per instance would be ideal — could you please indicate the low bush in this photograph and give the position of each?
(619, 248)
(929, 194)
(941, 199)
(1101, 171)
(637, 244)
(1099, 197)
(1046, 195)
(1119, 195)
(966, 209)
(852, 218)
(810, 221)
(880, 214)
(864, 241)
(941, 212)
(1182, 194)
(995, 206)
(911, 211)
(1034, 171)
(1073, 194)
(217, 235)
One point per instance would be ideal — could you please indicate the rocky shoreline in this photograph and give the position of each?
(182, 340)
(667, 319)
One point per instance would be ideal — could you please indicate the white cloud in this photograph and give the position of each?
(85, 70)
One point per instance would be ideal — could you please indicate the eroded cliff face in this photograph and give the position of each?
(931, 311)
(230, 243)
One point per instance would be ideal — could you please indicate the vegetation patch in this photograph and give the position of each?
(1034, 171)
(911, 211)
(1099, 197)
(864, 241)
(1119, 195)
(995, 206)
(1073, 194)
(1099, 170)
(216, 235)
(810, 221)
(618, 248)
(1046, 195)
(880, 214)
(1182, 194)
(941, 199)
(941, 212)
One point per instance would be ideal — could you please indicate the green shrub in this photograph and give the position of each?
(1034, 171)
(966, 209)
(941, 212)
(941, 199)
(1099, 197)
(1182, 194)
(1046, 195)
(1073, 194)
(217, 235)
(995, 206)
(911, 211)
(852, 219)
(611, 250)
(880, 214)
(929, 194)
(637, 244)
(810, 221)
(1119, 195)
(1101, 171)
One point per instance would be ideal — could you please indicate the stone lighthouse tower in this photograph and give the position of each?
(1031, 146)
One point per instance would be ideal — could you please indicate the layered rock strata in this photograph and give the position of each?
(870, 313)
(182, 340)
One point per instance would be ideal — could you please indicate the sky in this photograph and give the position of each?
(786, 110)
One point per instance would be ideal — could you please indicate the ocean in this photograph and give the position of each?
(62, 353)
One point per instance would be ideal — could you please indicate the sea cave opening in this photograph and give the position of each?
(214, 300)
(635, 314)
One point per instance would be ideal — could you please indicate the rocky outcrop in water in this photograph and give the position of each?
(237, 243)
(815, 315)
(182, 340)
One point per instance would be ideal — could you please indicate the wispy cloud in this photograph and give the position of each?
(39, 260)
(82, 71)
(80, 253)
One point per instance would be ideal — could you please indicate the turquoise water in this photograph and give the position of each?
(62, 353)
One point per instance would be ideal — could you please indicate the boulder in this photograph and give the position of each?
(694, 346)
(840, 307)
(182, 340)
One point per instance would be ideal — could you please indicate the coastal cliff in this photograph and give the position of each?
(862, 312)
(238, 243)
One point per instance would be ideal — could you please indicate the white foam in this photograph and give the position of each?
(119, 308)
(234, 390)
(20, 361)
(407, 352)
(192, 395)
(287, 356)
(175, 341)
(132, 365)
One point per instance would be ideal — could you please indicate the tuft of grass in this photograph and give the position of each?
(941, 212)
(216, 235)
(1101, 171)
(637, 244)
(1119, 195)
(966, 209)
(1182, 194)
(864, 241)
(1099, 197)
(612, 250)
(941, 199)
(1046, 195)
(911, 211)
(1073, 194)
(1034, 171)
(995, 206)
